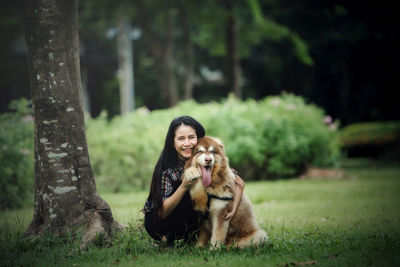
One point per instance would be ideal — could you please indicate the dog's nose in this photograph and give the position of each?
(207, 160)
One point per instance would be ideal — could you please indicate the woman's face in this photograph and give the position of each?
(184, 141)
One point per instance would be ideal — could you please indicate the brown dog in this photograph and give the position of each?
(213, 195)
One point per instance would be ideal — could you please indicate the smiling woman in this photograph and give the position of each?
(168, 210)
(169, 213)
(184, 141)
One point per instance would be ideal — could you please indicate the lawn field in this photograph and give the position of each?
(349, 221)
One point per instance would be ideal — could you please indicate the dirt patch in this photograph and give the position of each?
(324, 174)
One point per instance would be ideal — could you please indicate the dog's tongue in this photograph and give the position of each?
(206, 173)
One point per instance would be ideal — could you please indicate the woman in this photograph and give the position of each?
(168, 210)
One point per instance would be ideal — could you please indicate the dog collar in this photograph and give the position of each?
(210, 196)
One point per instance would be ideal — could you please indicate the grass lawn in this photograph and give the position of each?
(351, 221)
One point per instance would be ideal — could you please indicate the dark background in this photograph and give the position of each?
(354, 46)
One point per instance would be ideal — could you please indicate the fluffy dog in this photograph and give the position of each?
(213, 194)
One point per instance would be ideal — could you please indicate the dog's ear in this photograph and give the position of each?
(219, 142)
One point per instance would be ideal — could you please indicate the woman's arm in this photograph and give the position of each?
(239, 187)
(170, 203)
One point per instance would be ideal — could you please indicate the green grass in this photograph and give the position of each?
(354, 221)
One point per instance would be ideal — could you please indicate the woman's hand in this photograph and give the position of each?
(187, 184)
(189, 177)
(239, 187)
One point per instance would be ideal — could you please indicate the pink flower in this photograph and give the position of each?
(275, 102)
(327, 120)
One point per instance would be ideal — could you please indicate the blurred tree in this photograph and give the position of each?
(65, 190)
(345, 60)
(233, 28)
(106, 16)
(125, 66)
(268, 29)
(353, 45)
(188, 44)
(233, 70)
(13, 77)
(156, 20)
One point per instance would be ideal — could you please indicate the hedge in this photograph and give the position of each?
(278, 136)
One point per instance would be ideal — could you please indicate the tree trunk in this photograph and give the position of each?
(125, 66)
(188, 59)
(65, 190)
(232, 56)
(166, 76)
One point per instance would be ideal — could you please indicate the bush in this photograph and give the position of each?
(275, 137)
(16, 155)
(379, 138)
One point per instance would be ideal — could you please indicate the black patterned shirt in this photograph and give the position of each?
(167, 177)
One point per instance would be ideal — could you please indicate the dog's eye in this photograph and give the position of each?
(213, 152)
(198, 151)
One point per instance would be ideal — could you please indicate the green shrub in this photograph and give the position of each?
(16, 155)
(370, 133)
(275, 137)
(379, 139)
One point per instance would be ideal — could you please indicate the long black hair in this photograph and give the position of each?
(169, 156)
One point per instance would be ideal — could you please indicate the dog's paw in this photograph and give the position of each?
(200, 244)
(191, 174)
(214, 245)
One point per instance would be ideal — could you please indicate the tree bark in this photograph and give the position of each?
(65, 190)
(232, 56)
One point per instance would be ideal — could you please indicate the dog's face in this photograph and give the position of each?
(208, 153)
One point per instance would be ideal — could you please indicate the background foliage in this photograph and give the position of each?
(278, 136)
(353, 46)
(373, 139)
(275, 137)
(16, 155)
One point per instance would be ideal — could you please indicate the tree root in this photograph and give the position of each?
(98, 226)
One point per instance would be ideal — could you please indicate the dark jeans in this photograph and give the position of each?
(182, 223)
